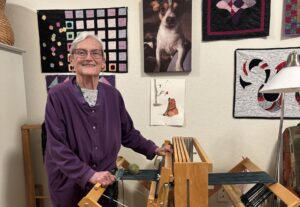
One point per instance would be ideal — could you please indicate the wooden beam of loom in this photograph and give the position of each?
(91, 199)
(166, 177)
(190, 178)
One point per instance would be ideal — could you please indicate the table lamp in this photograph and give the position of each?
(287, 80)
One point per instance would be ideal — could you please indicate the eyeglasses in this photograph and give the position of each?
(83, 53)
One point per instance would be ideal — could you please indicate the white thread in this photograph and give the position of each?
(114, 200)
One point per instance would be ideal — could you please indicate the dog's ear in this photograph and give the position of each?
(175, 5)
(166, 5)
(178, 7)
(155, 5)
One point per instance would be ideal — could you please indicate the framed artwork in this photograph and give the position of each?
(233, 19)
(292, 17)
(167, 35)
(167, 101)
(58, 28)
(253, 69)
(52, 80)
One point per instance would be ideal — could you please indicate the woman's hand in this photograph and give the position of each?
(105, 178)
(163, 150)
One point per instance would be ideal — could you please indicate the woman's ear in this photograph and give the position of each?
(70, 60)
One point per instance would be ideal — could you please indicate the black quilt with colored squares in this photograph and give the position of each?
(58, 28)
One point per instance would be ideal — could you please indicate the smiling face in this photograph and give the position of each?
(89, 65)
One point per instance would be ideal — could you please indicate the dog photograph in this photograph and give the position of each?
(167, 35)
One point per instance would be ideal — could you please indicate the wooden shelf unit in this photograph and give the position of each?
(31, 188)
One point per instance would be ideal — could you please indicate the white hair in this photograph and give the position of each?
(82, 36)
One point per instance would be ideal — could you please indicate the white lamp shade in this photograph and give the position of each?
(287, 80)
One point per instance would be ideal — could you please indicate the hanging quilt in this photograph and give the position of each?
(253, 69)
(292, 17)
(58, 28)
(233, 19)
(52, 80)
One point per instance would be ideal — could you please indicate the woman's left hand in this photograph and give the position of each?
(163, 150)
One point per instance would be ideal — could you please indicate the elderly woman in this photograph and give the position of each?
(86, 124)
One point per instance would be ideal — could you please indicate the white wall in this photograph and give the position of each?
(13, 114)
(209, 87)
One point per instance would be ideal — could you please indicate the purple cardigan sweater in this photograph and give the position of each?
(82, 139)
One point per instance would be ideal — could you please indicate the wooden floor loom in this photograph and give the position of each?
(184, 181)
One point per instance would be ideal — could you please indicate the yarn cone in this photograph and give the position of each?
(6, 32)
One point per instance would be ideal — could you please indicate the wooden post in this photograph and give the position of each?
(29, 180)
(190, 178)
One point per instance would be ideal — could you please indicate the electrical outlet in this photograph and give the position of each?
(222, 196)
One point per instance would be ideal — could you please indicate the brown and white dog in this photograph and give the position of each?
(170, 38)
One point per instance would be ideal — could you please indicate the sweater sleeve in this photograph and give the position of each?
(131, 137)
(57, 144)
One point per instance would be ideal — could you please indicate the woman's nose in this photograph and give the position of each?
(89, 56)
